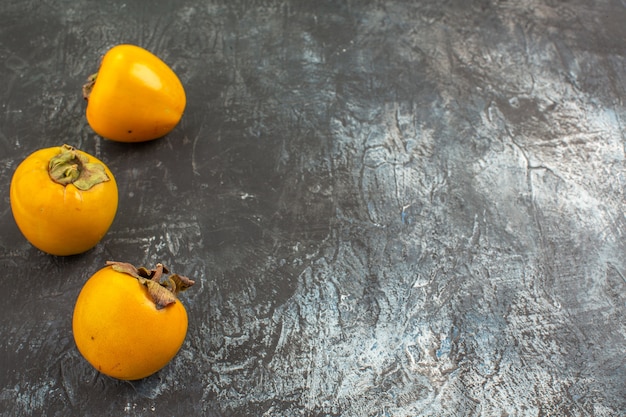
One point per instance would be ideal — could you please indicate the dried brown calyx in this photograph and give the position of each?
(163, 291)
(88, 86)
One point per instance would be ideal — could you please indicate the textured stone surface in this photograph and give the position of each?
(391, 208)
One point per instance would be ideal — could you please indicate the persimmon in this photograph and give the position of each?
(127, 323)
(134, 96)
(63, 200)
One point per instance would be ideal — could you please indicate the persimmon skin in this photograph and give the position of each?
(119, 330)
(60, 219)
(135, 96)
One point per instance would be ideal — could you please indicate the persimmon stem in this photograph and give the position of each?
(158, 273)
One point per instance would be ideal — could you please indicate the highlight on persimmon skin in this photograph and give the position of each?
(134, 96)
(128, 323)
(63, 200)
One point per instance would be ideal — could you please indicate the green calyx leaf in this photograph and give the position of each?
(71, 167)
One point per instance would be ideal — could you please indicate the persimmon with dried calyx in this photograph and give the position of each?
(128, 322)
(134, 96)
(63, 200)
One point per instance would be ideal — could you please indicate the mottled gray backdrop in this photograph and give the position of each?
(391, 208)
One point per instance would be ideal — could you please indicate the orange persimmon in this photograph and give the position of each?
(63, 200)
(134, 96)
(127, 323)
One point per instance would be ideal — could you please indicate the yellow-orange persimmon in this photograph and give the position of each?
(134, 96)
(63, 200)
(127, 323)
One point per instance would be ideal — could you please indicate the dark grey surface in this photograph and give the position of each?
(391, 208)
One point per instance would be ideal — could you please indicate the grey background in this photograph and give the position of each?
(391, 208)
